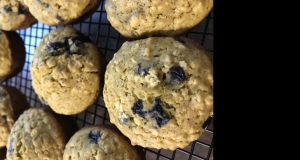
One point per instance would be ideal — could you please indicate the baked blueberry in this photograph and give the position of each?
(7, 9)
(176, 74)
(59, 17)
(56, 45)
(94, 137)
(138, 108)
(142, 71)
(158, 113)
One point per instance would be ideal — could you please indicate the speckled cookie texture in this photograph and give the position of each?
(144, 18)
(36, 135)
(99, 143)
(14, 15)
(159, 91)
(65, 71)
(12, 103)
(12, 54)
(61, 12)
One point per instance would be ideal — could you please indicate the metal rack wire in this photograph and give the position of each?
(109, 41)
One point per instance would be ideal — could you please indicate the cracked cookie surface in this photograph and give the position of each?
(15, 15)
(61, 12)
(36, 135)
(159, 91)
(99, 143)
(65, 71)
(145, 18)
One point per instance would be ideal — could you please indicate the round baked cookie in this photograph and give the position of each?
(62, 12)
(12, 104)
(159, 91)
(36, 135)
(12, 54)
(15, 15)
(144, 18)
(65, 71)
(99, 143)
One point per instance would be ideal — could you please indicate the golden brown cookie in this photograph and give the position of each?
(145, 18)
(12, 54)
(15, 15)
(62, 12)
(99, 143)
(66, 70)
(36, 135)
(12, 103)
(159, 91)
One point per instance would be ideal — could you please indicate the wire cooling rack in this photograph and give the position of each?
(109, 41)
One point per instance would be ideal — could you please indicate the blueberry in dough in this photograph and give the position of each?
(176, 74)
(138, 108)
(94, 137)
(7, 9)
(157, 113)
(59, 17)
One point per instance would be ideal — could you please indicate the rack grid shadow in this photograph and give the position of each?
(109, 41)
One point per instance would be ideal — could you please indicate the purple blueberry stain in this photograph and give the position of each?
(158, 113)
(58, 17)
(176, 74)
(7, 9)
(141, 70)
(146, 71)
(137, 108)
(94, 137)
(68, 45)
(54, 47)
